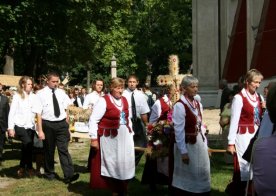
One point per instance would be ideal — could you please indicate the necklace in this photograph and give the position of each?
(114, 101)
(251, 97)
(192, 104)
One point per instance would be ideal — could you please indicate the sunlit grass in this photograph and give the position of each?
(11, 185)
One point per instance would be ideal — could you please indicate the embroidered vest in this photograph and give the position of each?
(110, 122)
(247, 115)
(164, 109)
(191, 129)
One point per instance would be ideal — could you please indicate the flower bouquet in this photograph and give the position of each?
(159, 138)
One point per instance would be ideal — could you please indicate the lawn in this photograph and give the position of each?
(11, 185)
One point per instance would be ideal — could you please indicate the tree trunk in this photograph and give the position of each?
(9, 65)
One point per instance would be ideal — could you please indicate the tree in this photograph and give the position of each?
(78, 35)
(164, 28)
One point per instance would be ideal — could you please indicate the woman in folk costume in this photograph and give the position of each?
(246, 112)
(191, 175)
(113, 161)
(156, 170)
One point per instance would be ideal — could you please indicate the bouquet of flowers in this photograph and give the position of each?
(159, 138)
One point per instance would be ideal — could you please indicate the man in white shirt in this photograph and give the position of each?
(140, 115)
(53, 128)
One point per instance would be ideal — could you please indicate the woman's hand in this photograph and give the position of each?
(11, 132)
(94, 144)
(185, 158)
(231, 149)
(41, 135)
(224, 121)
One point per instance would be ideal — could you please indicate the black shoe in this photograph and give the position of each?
(72, 179)
(49, 177)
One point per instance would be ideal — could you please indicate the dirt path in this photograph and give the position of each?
(211, 119)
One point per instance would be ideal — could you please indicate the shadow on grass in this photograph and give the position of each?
(11, 154)
(135, 188)
(82, 188)
(10, 172)
(80, 169)
(12, 150)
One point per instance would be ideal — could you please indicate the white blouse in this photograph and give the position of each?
(21, 111)
(179, 121)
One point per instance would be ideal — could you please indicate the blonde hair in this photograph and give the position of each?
(115, 82)
(251, 74)
(22, 84)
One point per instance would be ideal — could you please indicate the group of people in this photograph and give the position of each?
(118, 123)
(43, 114)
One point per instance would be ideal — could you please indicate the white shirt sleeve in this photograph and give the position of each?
(13, 107)
(66, 101)
(86, 101)
(155, 112)
(97, 114)
(142, 106)
(37, 104)
(178, 117)
(236, 108)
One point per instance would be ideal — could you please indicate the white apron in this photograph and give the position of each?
(194, 177)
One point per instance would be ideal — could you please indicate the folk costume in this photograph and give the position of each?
(114, 163)
(156, 171)
(246, 113)
(192, 178)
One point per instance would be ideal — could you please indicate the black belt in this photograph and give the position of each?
(54, 121)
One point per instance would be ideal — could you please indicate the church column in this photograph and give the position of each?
(205, 48)
(227, 16)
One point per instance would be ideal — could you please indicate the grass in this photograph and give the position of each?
(11, 185)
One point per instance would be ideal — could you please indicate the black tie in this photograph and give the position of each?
(82, 99)
(55, 102)
(133, 107)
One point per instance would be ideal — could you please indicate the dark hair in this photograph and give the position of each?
(271, 103)
(133, 76)
(52, 74)
(93, 85)
(37, 87)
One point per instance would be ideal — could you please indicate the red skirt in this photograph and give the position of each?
(97, 181)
